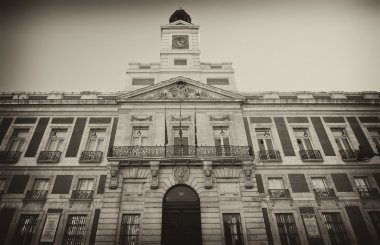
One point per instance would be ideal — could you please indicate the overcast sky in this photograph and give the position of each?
(274, 45)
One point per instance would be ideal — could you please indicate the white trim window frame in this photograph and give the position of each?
(57, 138)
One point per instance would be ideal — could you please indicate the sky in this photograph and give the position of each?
(274, 45)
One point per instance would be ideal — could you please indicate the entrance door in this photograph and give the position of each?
(181, 217)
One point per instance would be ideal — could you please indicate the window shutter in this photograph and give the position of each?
(247, 132)
(4, 126)
(62, 184)
(102, 184)
(259, 182)
(298, 183)
(286, 144)
(359, 225)
(360, 136)
(37, 137)
(267, 226)
(6, 216)
(377, 179)
(113, 132)
(322, 136)
(94, 226)
(76, 137)
(342, 183)
(18, 184)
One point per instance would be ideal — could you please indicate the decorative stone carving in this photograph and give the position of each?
(248, 170)
(180, 90)
(181, 174)
(207, 168)
(114, 173)
(221, 118)
(141, 118)
(183, 118)
(154, 172)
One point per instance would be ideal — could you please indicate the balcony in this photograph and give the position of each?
(368, 193)
(311, 156)
(185, 151)
(91, 157)
(49, 156)
(36, 195)
(9, 156)
(270, 156)
(349, 155)
(279, 194)
(82, 195)
(324, 193)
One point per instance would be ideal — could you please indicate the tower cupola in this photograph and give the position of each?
(180, 14)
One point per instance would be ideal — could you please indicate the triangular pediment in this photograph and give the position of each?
(181, 88)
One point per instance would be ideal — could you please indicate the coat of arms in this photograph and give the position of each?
(181, 174)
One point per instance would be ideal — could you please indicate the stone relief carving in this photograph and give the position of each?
(220, 118)
(114, 172)
(141, 118)
(180, 90)
(181, 174)
(208, 177)
(183, 118)
(247, 170)
(154, 170)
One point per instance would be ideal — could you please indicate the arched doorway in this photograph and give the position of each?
(181, 217)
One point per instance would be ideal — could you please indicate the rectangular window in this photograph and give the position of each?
(222, 140)
(75, 229)
(143, 81)
(41, 184)
(335, 228)
(287, 229)
(375, 219)
(361, 182)
(18, 139)
(130, 229)
(96, 140)
(140, 136)
(264, 139)
(232, 229)
(185, 135)
(26, 228)
(303, 138)
(275, 183)
(181, 62)
(85, 185)
(375, 136)
(341, 139)
(2, 184)
(319, 183)
(217, 81)
(56, 140)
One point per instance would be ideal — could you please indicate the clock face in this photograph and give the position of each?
(180, 41)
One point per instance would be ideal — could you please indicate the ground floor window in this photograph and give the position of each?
(26, 229)
(287, 229)
(130, 229)
(375, 218)
(75, 228)
(335, 228)
(232, 229)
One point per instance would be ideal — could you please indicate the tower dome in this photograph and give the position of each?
(180, 14)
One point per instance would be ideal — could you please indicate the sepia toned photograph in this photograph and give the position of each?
(190, 122)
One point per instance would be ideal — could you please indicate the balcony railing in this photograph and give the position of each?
(49, 156)
(82, 194)
(349, 155)
(324, 193)
(91, 156)
(269, 155)
(181, 151)
(37, 195)
(311, 155)
(9, 156)
(279, 193)
(368, 193)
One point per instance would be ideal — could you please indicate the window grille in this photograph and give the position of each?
(287, 229)
(375, 218)
(335, 228)
(232, 229)
(130, 229)
(75, 229)
(25, 229)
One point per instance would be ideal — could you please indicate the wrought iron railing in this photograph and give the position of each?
(82, 194)
(311, 155)
(321, 193)
(279, 193)
(349, 155)
(269, 155)
(367, 193)
(9, 156)
(49, 156)
(91, 156)
(36, 195)
(181, 151)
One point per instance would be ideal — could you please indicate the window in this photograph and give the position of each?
(18, 139)
(85, 184)
(276, 188)
(275, 183)
(130, 229)
(375, 219)
(41, 184)
(217, 81)
(96, 140)
(26, 229)
(232, 229)
(56, 140)
(222, 140)
(84, 189)
(375, 136)
(2, 184)
(287, 229)
(335, 228)
(266, 147)
(185, 135)
(321, 189)
(361, 182)
(75, 229)
(341, 139)
(319, 183)
(303, 139)
(181, 62)
(140, 136)
(39, 190)
(364, 188)
(143, 81)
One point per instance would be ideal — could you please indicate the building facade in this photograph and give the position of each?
(181, 157)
